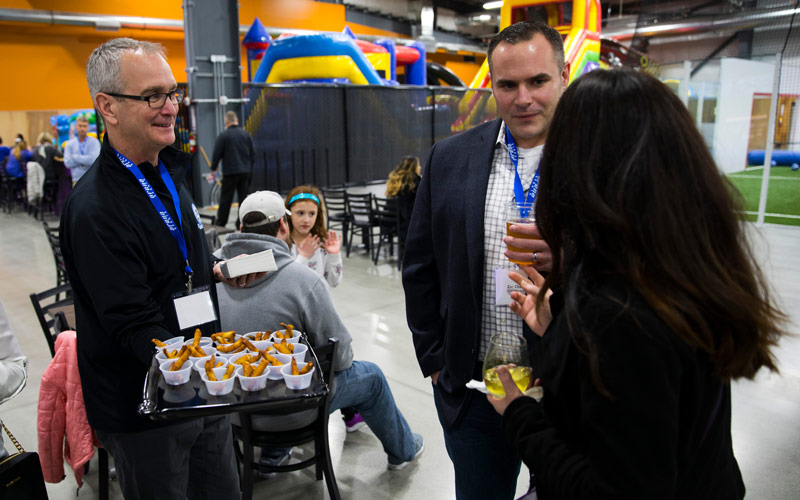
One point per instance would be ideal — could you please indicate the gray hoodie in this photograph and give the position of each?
(294, 294)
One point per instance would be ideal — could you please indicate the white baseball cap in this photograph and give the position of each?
(267, 203)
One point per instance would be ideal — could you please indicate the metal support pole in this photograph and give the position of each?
(773, 112)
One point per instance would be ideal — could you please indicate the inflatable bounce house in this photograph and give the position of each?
(331, 58)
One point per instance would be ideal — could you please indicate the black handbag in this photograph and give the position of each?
(21, 475)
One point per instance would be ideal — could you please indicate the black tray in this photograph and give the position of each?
(161, 401)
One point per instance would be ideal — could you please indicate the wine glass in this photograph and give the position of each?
(511, 350)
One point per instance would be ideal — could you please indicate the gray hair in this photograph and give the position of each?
(103, 67)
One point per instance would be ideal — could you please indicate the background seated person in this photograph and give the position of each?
(294, 294)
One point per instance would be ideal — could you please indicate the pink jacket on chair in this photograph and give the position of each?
(63, 429)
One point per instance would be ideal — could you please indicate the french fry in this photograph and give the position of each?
(249, 344)
(228, 348)
(219, 363)
(158, 343)
(177, 365)
(281, 348)
(270, 359)
(247, 369)
(197, 335)
(259, 370)
(289, 329)
(168, 354)
(295, 370)
(210, 374)
(211, 362)
(196, 351)
(228, 372)
(307, 368)
(290, 346)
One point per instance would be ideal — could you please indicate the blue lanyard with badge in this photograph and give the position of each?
(503, 284)
(193, 306)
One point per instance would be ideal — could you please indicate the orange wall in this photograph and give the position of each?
(47, 62)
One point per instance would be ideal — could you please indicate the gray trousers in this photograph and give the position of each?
(191, 459)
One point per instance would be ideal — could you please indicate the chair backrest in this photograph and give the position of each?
(386, 211)
(49, 311)
(335, 201)
(55, 248)
(360, 207)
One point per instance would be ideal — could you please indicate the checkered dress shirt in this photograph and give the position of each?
(500, 191)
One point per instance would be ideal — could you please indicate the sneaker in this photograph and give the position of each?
(396, 464)
(281, 460)
(354, 423)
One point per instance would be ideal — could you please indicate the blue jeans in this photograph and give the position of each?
(363, 387)
(486, 465)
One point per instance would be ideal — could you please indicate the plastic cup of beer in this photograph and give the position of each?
(520, 214)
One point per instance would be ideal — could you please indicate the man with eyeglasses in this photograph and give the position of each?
(140, 269)
(81, 151)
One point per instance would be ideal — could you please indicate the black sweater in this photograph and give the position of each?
(123, 265)
(646, 441)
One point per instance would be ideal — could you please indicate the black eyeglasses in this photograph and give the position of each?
(155, 100)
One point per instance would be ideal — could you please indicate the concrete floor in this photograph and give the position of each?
(766, 411)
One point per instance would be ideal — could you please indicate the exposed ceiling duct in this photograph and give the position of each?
(104, 22)
(715, 24)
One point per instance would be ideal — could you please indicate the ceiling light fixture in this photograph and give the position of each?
(493, 5)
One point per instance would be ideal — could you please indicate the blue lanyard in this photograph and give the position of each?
(519, 193)
(81, 145)
(176, 230)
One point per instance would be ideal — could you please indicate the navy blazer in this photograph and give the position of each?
(443, 263)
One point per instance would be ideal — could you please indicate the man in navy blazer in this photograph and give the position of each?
(455, 250)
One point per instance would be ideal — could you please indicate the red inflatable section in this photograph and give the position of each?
(406, 55)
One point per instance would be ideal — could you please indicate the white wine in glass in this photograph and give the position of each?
(511, 350)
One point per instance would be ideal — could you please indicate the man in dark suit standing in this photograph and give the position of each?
(455, 256)
(234, 147)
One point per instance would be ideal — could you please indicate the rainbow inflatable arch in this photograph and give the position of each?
(578, 21)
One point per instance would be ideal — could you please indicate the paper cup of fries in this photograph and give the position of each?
(175, 340)
(296, 381)
(259, 344)
(176, 377)
(200, 363)
(204, 341)
(219, 387)
(277, 336)
(299, 353)
(206, 350)
(161, 357)
(252, 383)
(283, 358)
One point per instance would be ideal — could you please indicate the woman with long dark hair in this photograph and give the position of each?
(654, 304)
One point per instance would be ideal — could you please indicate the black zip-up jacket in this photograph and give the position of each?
(124, 265)
(235, 147)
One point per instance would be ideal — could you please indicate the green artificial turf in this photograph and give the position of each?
(783, 195)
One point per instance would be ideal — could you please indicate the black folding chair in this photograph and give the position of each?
(336, 210)
(53, 321)
(385, 219)
(316, 432)
(359, 206)
(55, 248)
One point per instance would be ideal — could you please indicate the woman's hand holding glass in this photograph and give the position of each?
(524, 304)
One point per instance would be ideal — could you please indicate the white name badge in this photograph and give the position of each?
(503, 286)
(195, 308)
